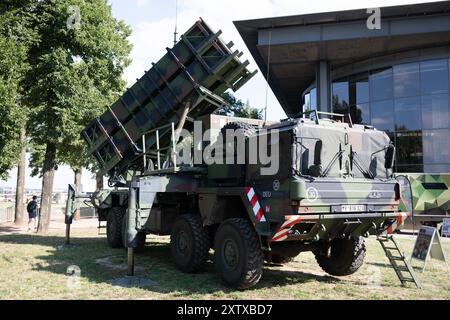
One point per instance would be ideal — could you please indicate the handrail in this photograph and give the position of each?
(317, 113)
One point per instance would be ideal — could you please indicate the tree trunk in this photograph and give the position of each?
(48, 175)
(99, 181)
(77, 182)
(18, 216)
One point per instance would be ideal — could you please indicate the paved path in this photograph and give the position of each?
(56, 224)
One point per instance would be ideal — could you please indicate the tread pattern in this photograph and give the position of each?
(201, 244)
(255, 257)
(247, 129)
(347, 258)
(115, 221)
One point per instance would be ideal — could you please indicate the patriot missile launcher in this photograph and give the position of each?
(248, 189)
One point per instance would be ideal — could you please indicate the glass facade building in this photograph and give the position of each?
(410, 101)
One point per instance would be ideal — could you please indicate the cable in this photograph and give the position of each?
(268, 75)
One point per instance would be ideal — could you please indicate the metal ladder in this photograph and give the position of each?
(401, 266)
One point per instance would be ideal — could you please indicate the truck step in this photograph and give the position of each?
(394, 255)
(397, 258)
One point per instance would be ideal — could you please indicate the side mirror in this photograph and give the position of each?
(316, 169)
(389, 157)
(318, 153)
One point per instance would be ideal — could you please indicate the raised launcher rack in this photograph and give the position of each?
(195, 72)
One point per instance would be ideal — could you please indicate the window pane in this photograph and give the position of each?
(359, 89)
(340, 97)
(435, 111)
(406, 80)
(313, 99)
(362, 91)
(409, 147)
(381, 85)
(435, 146)
(407, 114)
(383, 115)
(437, 168)
(360, 113)
(434, 76)
(307, 102)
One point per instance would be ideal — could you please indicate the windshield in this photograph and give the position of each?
(334, 152)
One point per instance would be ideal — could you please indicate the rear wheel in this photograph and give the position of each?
(114, 221)
(238, 257)
(189, 243)
(344, 257)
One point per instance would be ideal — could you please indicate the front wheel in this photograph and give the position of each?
(344, 257)
(189, 243)
(238, 257)
(114, 221)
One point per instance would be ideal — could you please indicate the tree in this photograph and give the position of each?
(237, 108)
(12, 116)
(75, 72)
(20, 186)
(16, 36)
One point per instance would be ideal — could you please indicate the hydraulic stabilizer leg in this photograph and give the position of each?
(131, 226)
(130, 262)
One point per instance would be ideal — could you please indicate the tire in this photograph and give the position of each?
(114, 221)
(238, 257)
(345, 257)
(189, 243)
(246, 130)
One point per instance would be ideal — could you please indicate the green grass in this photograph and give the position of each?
(34, 267)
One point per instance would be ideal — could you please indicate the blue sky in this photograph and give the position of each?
(153, 22)
(135, 11)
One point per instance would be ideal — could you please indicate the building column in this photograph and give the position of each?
(323, 82)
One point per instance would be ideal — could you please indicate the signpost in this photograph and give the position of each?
(446, 227)
(427, 243)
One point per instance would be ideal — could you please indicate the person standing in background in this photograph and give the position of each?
(32, 209)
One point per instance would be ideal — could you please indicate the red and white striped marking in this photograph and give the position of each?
(283, 231)
(257, 210)
(401, 217)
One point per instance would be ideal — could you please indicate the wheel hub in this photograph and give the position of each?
(230, 253)
(182, 242)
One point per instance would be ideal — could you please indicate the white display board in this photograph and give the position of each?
(446, 227)
(428, 243)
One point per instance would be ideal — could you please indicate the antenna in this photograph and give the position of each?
(268, 75)
(176, 23)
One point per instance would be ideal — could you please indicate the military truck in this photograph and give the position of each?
(426, 197)
(332, 186)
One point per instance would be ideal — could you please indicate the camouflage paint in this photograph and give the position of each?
(425, 195)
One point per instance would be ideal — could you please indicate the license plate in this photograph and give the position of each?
(353, 207)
